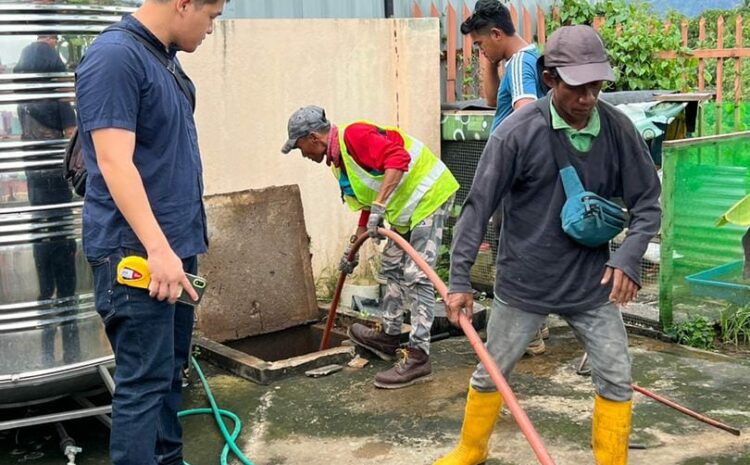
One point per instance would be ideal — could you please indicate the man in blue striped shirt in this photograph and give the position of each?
(492, 30)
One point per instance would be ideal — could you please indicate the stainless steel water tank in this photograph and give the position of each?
(51, 338)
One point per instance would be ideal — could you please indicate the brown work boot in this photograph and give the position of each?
(545, 331)
(375, 340)
(412, 367)
(536, 346)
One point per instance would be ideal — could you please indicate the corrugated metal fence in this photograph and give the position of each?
(351, 9)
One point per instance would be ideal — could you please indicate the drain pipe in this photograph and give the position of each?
(67, 444)
(497, 377)
(388, 8)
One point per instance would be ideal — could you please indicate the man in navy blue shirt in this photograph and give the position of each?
(44, 119)
(144, 197)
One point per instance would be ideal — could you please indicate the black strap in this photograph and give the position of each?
(571, 181)
(561, 159)
(172, 66)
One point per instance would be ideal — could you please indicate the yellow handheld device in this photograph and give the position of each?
(133, 271)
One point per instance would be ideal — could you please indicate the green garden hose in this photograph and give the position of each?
(229, 439)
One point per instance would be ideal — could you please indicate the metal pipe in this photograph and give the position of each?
(55, 417)
(79, 9)
(31, 97)
(40, 208)
(107, 378)
(497, 377)
(106, 420)
(41, 29)
(686, 411)
(57, 152)
(22, 144)
(38, 86)
(337, 293)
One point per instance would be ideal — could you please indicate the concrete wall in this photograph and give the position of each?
(382, 70)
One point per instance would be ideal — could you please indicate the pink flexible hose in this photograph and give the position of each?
(687, 411)
(502, 386)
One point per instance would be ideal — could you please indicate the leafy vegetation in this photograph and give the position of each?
(643, 35)
(633, 34)
(325, 284)
(442, 267)
(696, 331)
(729, 41)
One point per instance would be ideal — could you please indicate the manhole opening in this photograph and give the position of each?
(288, 343)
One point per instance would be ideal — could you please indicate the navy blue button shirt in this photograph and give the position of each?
(122, 85)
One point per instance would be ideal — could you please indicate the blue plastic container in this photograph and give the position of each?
(715, 282)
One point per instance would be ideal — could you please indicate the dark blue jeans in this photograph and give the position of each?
(151, 343)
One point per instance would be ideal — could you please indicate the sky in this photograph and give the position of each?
(692, 7)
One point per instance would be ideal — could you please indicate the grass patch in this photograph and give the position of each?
(735, 325)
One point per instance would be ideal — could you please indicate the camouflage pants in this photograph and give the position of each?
(407, 286)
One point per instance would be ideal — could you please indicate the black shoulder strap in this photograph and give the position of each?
(561, 159)
(568, 173)
(543, 105)
(172, 66)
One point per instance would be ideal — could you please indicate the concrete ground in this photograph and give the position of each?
(343, 419)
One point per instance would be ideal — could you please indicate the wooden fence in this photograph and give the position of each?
(532, 27)
(737, 53)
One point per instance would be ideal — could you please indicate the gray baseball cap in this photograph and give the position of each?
(578, 54)
(302, 122)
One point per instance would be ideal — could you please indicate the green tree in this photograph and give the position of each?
(710, 42)
(633, 34)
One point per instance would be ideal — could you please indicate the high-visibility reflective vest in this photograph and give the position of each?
(426, 185)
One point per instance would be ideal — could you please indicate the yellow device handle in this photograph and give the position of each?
(133, 271)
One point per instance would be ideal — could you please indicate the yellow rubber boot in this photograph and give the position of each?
(482, 410)
(611, 431)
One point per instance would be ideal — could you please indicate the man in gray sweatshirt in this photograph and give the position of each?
(541, 270)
